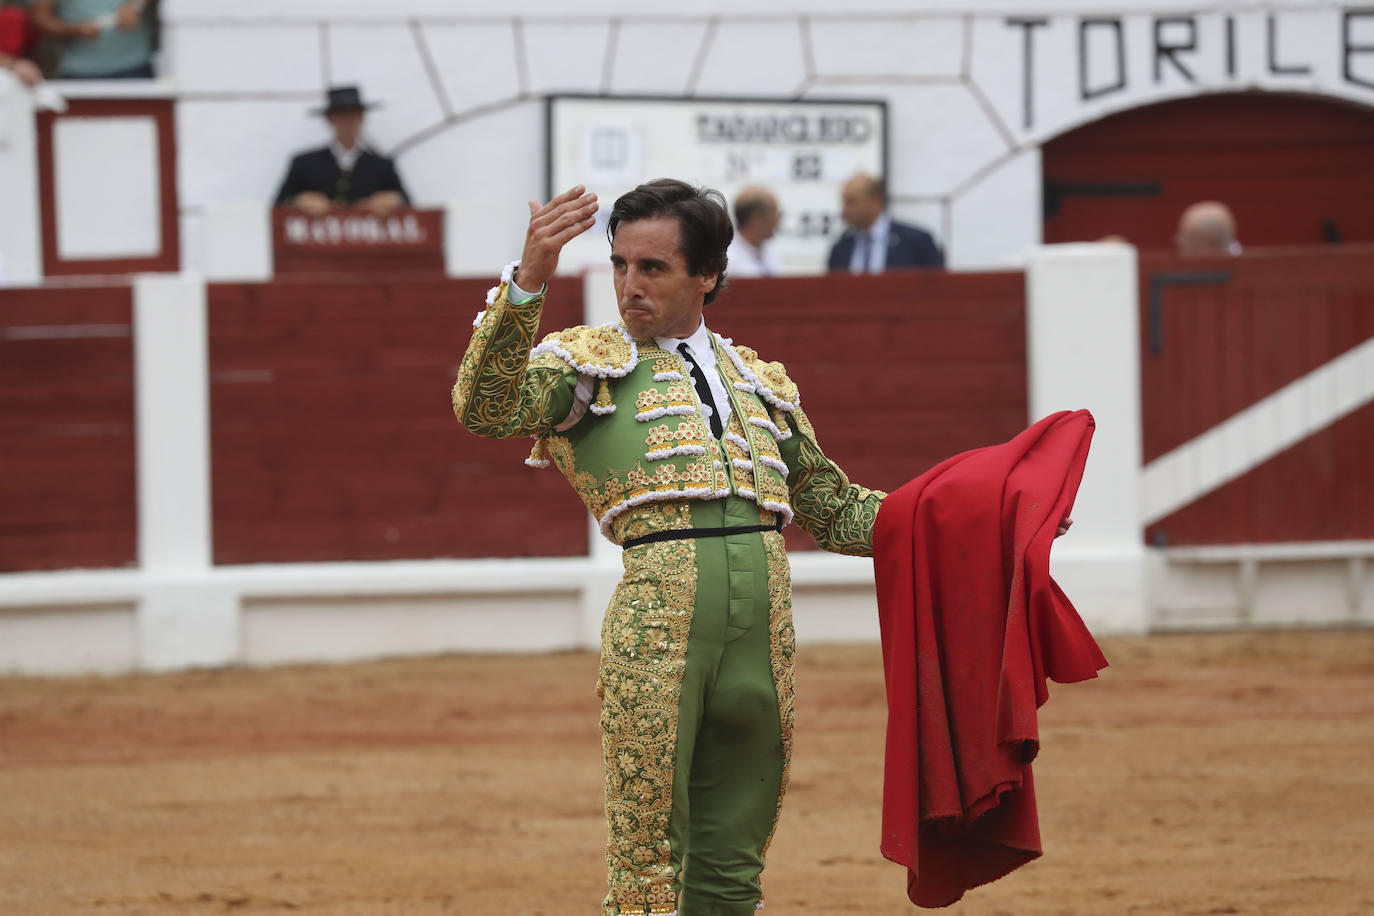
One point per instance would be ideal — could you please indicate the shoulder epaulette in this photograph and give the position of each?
(769, 380)
(605, 351)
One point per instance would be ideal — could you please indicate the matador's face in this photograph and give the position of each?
(657, 296)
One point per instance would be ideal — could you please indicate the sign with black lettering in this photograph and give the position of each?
(801, 151)
(1065, 64)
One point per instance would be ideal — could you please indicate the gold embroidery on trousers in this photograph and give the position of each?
(643, 658)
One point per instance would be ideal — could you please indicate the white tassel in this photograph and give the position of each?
(781, 508)
(660, 454)
(772, 428)
(679, 410)
(771, 462)
(739, 440)
(656, 496)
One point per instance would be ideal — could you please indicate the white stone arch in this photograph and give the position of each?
(957, 77)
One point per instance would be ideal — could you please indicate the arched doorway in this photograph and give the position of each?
(1295, 170)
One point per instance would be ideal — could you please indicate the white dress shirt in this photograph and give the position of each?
(747, 261)
(870, 248)
(346, 158)
(704, 355)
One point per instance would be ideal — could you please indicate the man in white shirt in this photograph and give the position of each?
(756, 221)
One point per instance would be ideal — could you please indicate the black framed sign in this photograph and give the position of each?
(801, 150)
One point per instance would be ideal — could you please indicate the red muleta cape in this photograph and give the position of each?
(972, 625)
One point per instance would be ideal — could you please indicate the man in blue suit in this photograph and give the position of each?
(874, 242)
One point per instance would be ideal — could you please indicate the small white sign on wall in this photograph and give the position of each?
(801, 151)
(109, 200)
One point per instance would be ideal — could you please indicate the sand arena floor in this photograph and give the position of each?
(1228, 774)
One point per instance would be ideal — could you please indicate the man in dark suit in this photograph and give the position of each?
(343, 174)
(874, 242)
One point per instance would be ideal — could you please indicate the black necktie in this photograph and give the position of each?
(703, 389)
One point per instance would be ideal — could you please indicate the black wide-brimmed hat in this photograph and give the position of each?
(343, 98)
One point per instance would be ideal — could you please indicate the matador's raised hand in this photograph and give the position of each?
(551, 227)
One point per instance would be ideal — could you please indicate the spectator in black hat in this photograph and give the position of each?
(344, 173)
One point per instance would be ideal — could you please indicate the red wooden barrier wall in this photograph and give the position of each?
(67, 479)
(332, 436)
(897, 372)
(1228, 332)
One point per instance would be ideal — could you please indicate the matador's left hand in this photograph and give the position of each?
(1064, 526)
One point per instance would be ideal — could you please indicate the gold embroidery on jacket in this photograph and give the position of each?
(497, 393)
(837, 514)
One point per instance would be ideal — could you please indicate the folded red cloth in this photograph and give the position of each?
(972, 625)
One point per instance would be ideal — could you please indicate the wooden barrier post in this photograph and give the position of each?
(183, 620)
(1083, 351)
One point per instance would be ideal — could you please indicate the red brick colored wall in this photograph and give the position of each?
(333, 438)
(897, 372)
(1277, 316)
(1226, 345)
(1321, 489)
(67, 478)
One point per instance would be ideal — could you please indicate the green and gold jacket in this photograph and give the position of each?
(644, 440)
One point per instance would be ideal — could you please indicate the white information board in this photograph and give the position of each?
(801, 151)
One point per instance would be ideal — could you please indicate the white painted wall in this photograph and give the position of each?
(104, 212)
(461, 87)
(21, 253)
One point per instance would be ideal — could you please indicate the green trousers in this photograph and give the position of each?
(696, 685)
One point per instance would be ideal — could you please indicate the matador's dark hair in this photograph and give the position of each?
(704, 230)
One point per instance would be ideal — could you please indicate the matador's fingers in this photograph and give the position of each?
(566, 197)
(582, 220)
(553, 227)
(553, 220)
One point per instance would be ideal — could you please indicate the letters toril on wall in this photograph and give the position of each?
(1129, 55)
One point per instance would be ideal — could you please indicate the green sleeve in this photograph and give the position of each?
(499, 393)
(837, 514)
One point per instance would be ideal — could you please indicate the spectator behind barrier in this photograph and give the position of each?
(1207, 227)
(874, 242)
(756, 221)
(16, 41)
(102, 39)
(344, 173)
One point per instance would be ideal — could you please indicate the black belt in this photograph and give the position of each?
(678, 534)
